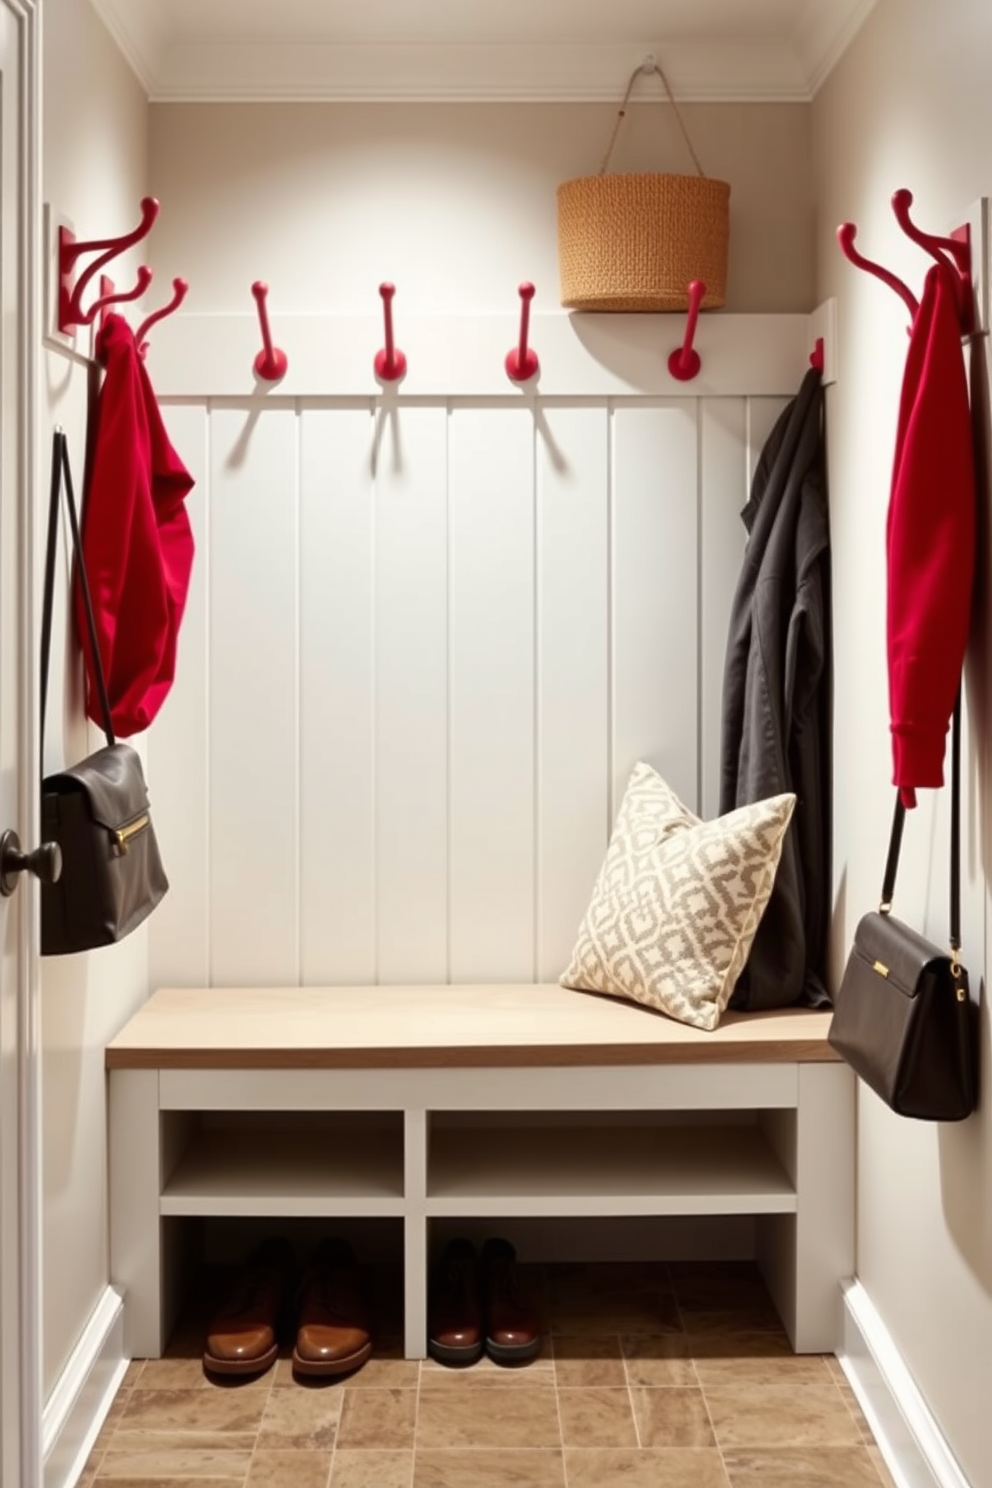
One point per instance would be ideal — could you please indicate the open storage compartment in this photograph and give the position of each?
(282, 1163)
(620, 1163)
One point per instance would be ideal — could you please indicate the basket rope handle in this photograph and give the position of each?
(644, 67)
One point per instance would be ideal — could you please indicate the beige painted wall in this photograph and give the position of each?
(908, 106)
(456, 203)
(93, 170)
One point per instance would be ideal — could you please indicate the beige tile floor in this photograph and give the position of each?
(651, 1376)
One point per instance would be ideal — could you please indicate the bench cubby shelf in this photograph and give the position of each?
(294, 1170)
(474, 1102)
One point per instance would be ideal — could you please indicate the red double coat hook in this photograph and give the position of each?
(71, 313)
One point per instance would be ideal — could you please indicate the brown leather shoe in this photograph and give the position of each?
(334, 1332)
(513, 1332)
(454, 1326)
(242, 1337)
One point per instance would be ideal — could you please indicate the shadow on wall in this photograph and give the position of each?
(387, 416)
(629, 345)
(965, 1149)
(965, 1155)
(65, 991)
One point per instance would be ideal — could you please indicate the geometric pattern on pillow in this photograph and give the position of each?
(678, 901)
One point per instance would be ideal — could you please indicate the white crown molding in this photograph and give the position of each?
(141, 37)
(825, 35)
(178, 64)
(732, 71)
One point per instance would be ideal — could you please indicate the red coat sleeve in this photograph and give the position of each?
(137, 541)
(930, 541)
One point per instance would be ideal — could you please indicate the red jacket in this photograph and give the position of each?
(137, 542)
(930, 540)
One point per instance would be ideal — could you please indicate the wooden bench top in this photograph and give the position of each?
(441, 1027)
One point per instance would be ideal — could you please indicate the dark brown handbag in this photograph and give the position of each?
(904, 1020)
(97, 811)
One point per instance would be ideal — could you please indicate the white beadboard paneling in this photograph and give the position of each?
(492, 770)
(411, 626)
(573, 685)
(179, 930)
(254, 748)
(723, 490)
(415, 675)
(655, 595)
(337, 709)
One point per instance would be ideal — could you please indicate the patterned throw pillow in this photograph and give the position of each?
(678, 901)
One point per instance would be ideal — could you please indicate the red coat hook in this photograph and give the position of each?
(180, 290)
(960, 253)
(71, 296)
(817, 357)
(271, 363)
(956, 250)
(390, 364)
(522, 363)
(846, 234)
(108, 296)
(684, 363)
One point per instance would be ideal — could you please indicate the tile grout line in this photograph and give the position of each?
(334, 1444)
(416, 1424)
(856, 1416)
(99, 1462)
(554, 1374)
(261, 1419)
(702, 1388)
(630, 1391)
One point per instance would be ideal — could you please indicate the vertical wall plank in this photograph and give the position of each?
(411, 610)
(337, 708)
(761, 416)
(254, 748)
(179, 930)
(723, 492)
(492, 797)
(573, 664)
(654, 595)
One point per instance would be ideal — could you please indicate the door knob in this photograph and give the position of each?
(45, 862)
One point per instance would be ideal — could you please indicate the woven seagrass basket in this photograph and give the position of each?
(636, 241)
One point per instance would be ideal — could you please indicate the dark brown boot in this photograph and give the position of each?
(513, 1332)
(454, 1327)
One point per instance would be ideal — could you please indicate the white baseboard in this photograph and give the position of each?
(915, 1450)
(83, 1393)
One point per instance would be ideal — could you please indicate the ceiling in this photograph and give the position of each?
(478, 49)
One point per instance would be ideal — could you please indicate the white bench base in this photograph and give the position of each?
(202, 1125)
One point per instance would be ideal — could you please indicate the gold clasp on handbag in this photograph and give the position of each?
(125, 833)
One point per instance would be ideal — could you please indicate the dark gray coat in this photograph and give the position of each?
(777, 699)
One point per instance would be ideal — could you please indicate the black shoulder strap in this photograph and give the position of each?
(60, 469)
(895, 837)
